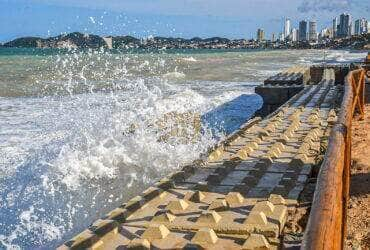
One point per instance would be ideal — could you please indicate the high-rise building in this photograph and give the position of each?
(360, 26)
(335, 27)
(302, 31)
(344, 25)
(260, 35)
(295, 35)
(325, 33)
(286, 28)
(281, 37)
(312, 31)
(273, 37)
(357, 27)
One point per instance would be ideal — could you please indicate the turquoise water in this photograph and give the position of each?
(67, 150)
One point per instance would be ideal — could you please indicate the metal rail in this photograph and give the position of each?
(326, 227)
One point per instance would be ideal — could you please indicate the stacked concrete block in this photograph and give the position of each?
(297, 75)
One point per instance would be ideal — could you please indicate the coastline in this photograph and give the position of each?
(78, 40)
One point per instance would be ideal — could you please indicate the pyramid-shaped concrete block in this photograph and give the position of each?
(256, 242)
(198, 196)
(264, 206)
(234, 199)
(218, 205)
(163, 217)
(209, 217)
(177, 205)
(139, 244)
(155, 232)
(277, 199)
(205, 236)
(256, 218)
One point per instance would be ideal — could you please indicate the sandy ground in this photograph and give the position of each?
(358, 230)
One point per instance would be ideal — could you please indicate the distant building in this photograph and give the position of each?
(286, 28)
(281, 37)
(335, 27)
(361, 26)
(351, 29)
(260, 35)
(302, 31)
(273, 37)
(109, 42)
(344, 29)
(312, 31)
(357, 27)
(295, 35)
(325, 33)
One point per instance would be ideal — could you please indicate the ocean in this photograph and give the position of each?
(79, 130)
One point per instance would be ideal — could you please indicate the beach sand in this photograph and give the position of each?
(358, 231)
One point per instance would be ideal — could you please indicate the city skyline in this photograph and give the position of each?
(183, 18)
(344, 26)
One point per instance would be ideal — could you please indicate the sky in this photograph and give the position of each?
(175, 18)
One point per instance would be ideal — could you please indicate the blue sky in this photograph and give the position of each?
(177, 18)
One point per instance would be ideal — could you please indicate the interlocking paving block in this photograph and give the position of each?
(239, 198)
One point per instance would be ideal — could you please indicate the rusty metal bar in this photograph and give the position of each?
(326, 228)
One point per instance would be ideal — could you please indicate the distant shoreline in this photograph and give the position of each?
(78, 40)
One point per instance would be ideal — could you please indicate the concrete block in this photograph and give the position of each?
(177, 205)
(139, 244)
(209, 217)
(256, 242)
(277, 199)
(219, 205)
(178, 176)
(135, 203)
(102, 227)
(264, 206)
(198, 196)
(205, 236)
(256, 218)
(118, 214)
(163, 217)
(165, 184)
(234, 199)
(85, 239)
(155, 232)
(151, 193)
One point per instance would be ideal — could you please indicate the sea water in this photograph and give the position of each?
(76, 127)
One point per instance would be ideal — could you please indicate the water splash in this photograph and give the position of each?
(83, 163)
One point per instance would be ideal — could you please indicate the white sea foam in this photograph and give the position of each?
(174, 75)
(188, 59)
